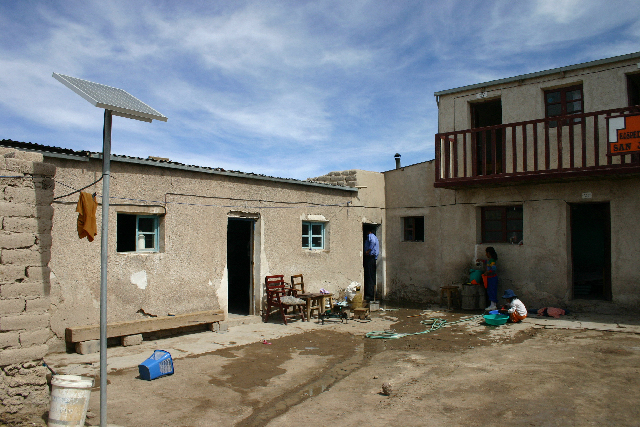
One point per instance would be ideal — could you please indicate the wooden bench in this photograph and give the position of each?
(87, 338)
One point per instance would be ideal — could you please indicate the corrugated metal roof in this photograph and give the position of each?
(540, 73)
(49, 151)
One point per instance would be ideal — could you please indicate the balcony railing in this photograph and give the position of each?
(546, 149)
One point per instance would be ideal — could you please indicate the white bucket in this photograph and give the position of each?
(69, 400)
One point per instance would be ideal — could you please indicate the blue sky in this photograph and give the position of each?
(290, 89)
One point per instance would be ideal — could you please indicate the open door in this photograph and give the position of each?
(365, 232)
(488, 113)
(591, 250)
(240, 265)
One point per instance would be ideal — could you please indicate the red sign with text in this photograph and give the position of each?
(628, 138)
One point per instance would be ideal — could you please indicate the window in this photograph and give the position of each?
(313, 235)
(633, 89)
(413, 229)
(562, 102)
(502, 224)
(137, 233)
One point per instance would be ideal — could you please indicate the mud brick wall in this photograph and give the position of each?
(26, 194)
(345, 178)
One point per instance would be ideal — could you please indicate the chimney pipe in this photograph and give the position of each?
(397, 157)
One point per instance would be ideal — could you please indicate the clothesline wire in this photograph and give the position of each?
(77, 191)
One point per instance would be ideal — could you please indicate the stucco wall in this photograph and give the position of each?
(539, 270)
(604, 87)
(189, 273)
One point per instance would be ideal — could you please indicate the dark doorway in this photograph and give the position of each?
(591, 250)
(240, 265)
(485, 114)
(365, 233)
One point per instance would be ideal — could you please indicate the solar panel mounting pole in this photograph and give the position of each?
(104, 252)
(119, 103)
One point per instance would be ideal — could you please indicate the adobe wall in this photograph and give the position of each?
(190, 271)
(26, 185)
(539, 270)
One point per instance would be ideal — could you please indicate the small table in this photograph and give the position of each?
(315, 301)
(452, 292)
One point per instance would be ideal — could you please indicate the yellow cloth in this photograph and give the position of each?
(87, 216)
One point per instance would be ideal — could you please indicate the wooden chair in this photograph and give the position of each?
(279, 296)
(297, 285)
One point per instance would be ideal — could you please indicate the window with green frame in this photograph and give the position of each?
(137, 233)
(313, 235)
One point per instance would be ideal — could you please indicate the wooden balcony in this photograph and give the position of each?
(552, 149)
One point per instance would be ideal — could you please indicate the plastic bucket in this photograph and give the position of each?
(69, 400)
(159, 364)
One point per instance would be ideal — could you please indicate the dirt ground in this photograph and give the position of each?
(466, 374)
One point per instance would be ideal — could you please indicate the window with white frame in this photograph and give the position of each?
(137, 233)
(313, 235)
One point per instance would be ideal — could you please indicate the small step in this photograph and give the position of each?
(239, 319)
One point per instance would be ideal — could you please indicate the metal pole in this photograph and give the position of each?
(106, 173)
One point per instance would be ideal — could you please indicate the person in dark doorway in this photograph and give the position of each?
(371, 251)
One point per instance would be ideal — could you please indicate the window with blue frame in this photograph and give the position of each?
(137, 233)
(313, 235)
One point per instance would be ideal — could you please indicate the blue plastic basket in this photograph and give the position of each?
(159, 364)
(495, 319)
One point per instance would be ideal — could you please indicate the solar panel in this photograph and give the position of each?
(118, 101)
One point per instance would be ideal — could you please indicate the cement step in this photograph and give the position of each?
(239, 319)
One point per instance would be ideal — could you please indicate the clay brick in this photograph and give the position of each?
(37, 337)
(9, 339)
(220, 327)
(24, 321)
(131, 340)
(16, 209)
(27, 156)
(20, 195)
(12, 306)
(11, 273)
(27, 289)
(39, 273)
(19, 224)
(44, 169)
(17, 240)
(21, 355)
(87, 347)
(32, 377)
(38, 305)
(44, 241)
(25, 257)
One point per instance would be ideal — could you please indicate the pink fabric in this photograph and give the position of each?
(552, 311)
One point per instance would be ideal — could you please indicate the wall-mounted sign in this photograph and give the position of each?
(624, 135)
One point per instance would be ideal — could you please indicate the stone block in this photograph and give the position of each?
(44, 241)
(29, 378)
(130, 340)
(220, 327)
(37, 337)
(28, 156)
(21, 355)
(25, 257)
(9, 339)
(44, 169)
(24, 322)
(36, 305)
(20, 225)
(17, 240)
(16, 209)
(12, 306)
(39, 273)
(87, 347)
(11, 273)
(20, 195)
(26, 289)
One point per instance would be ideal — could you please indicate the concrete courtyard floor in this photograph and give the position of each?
(580, 370)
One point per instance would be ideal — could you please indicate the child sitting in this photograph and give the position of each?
(515, 309)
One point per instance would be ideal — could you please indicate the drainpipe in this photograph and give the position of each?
(397, 157)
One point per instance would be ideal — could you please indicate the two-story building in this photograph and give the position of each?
(545, 168)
